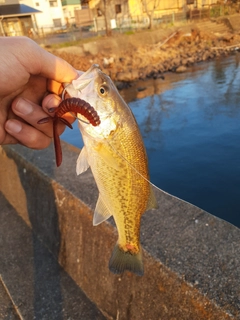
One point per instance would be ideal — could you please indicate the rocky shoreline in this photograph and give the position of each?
(175, 53)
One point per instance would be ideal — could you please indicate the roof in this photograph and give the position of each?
(17, 10)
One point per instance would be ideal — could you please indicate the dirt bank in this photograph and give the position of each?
(129, 61)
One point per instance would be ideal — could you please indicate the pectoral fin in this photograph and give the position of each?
(107, 156)
(82, 161)
(101, 212)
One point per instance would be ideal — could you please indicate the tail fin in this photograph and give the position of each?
(121, 261)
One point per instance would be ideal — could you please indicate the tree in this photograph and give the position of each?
(150, 6)
(105, 7)
(102, 8)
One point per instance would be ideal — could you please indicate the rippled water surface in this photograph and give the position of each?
(191, 128)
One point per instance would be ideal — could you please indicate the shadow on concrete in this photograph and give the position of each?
(45, 291)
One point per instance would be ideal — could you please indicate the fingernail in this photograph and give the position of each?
(13, 126)
(23, 106)
(53, 103)
(51, 110)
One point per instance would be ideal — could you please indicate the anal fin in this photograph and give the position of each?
(101, 212)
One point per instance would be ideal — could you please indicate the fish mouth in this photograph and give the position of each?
(84, 80)
(84, 84)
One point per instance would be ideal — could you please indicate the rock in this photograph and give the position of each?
(206, 55)
(128, 76)
(176, 62)
(184, 62)
(181, 69)
(122, 85)
(191, 60)
(139, 89)
(135, 74)
(90, 47)
(108, 62)
(227, 37)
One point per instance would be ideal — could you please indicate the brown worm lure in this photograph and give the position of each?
(75, 105)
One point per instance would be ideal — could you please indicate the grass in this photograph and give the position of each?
(74, 42)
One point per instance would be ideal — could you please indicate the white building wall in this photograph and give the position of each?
(50, 16)
(7, 2)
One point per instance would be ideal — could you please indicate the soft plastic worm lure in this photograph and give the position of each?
(75, 105)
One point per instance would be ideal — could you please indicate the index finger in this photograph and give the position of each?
(55, 87)
(38, 61)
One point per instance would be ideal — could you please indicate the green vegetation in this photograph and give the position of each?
(129, 32)
(73, 43)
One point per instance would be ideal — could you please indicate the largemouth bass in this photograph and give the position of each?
(116, 154)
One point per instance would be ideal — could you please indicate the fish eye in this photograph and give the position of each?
(103, 90)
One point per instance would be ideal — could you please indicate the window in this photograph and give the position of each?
(84, 4)
(57, 23)
(118, 8)
(53, 3)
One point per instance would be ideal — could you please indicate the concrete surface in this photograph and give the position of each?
(191, 258)
(33, 285)
(232, 22)
(7, 308)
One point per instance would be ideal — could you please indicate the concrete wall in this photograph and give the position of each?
(191, 258)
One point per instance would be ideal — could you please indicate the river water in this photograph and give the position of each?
(190, 125)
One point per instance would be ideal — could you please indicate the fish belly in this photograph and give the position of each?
(119, 166)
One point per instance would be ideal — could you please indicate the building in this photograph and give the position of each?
(51, 16)
(137, 7)
(30, 17)
(69, 8)
(16, 19)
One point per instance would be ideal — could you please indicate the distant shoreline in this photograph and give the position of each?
(126, 60)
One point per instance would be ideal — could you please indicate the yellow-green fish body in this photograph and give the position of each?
(116, 154)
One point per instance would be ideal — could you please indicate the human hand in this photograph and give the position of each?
(28, 74)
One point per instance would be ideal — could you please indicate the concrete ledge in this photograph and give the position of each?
(234, 22)
(191, 258)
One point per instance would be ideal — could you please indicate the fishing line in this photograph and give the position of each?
(63, 93)
(153, 185)
(119, 154)
(74, 116)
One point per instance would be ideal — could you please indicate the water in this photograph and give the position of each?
(190, 126)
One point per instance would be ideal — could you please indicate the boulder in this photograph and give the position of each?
(181, 69)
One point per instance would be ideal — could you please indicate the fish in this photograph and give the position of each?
(115, 152)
